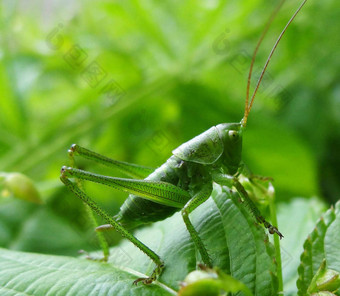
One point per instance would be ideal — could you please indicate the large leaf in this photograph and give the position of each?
(236, 244)
(322, 244)
(306, 212)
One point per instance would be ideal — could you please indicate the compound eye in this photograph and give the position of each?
(233, 134)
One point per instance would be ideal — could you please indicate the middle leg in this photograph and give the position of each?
(191, 205)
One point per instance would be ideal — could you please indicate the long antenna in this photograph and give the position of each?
(248, 108)
(272, 17)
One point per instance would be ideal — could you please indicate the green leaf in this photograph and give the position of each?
(235, 243)
(34, 274)
(322, 244)
(306, 212)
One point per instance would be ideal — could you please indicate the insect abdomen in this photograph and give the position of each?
(137, 211)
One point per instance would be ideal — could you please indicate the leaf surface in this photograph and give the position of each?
(235, 243)
(322, 243)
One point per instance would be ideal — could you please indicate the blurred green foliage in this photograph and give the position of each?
(135, 79)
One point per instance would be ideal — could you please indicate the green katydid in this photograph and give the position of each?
(181, 184)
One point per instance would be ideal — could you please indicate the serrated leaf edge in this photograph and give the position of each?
(319, 230)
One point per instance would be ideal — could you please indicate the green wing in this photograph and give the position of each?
(206, 148)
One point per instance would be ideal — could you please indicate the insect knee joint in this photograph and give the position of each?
(65, 172)
(73, 149)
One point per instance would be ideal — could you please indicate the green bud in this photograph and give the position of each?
(211, 282)
(324, 281)
(200, 283)
(20, 186)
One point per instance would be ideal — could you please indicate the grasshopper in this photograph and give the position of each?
(183, 183)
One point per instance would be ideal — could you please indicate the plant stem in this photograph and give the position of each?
(276, 238)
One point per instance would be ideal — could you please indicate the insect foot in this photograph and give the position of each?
(147, 281)
(272, 229)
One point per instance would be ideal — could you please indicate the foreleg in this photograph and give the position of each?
(232, 181)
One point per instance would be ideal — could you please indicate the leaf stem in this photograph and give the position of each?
(273, 219)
